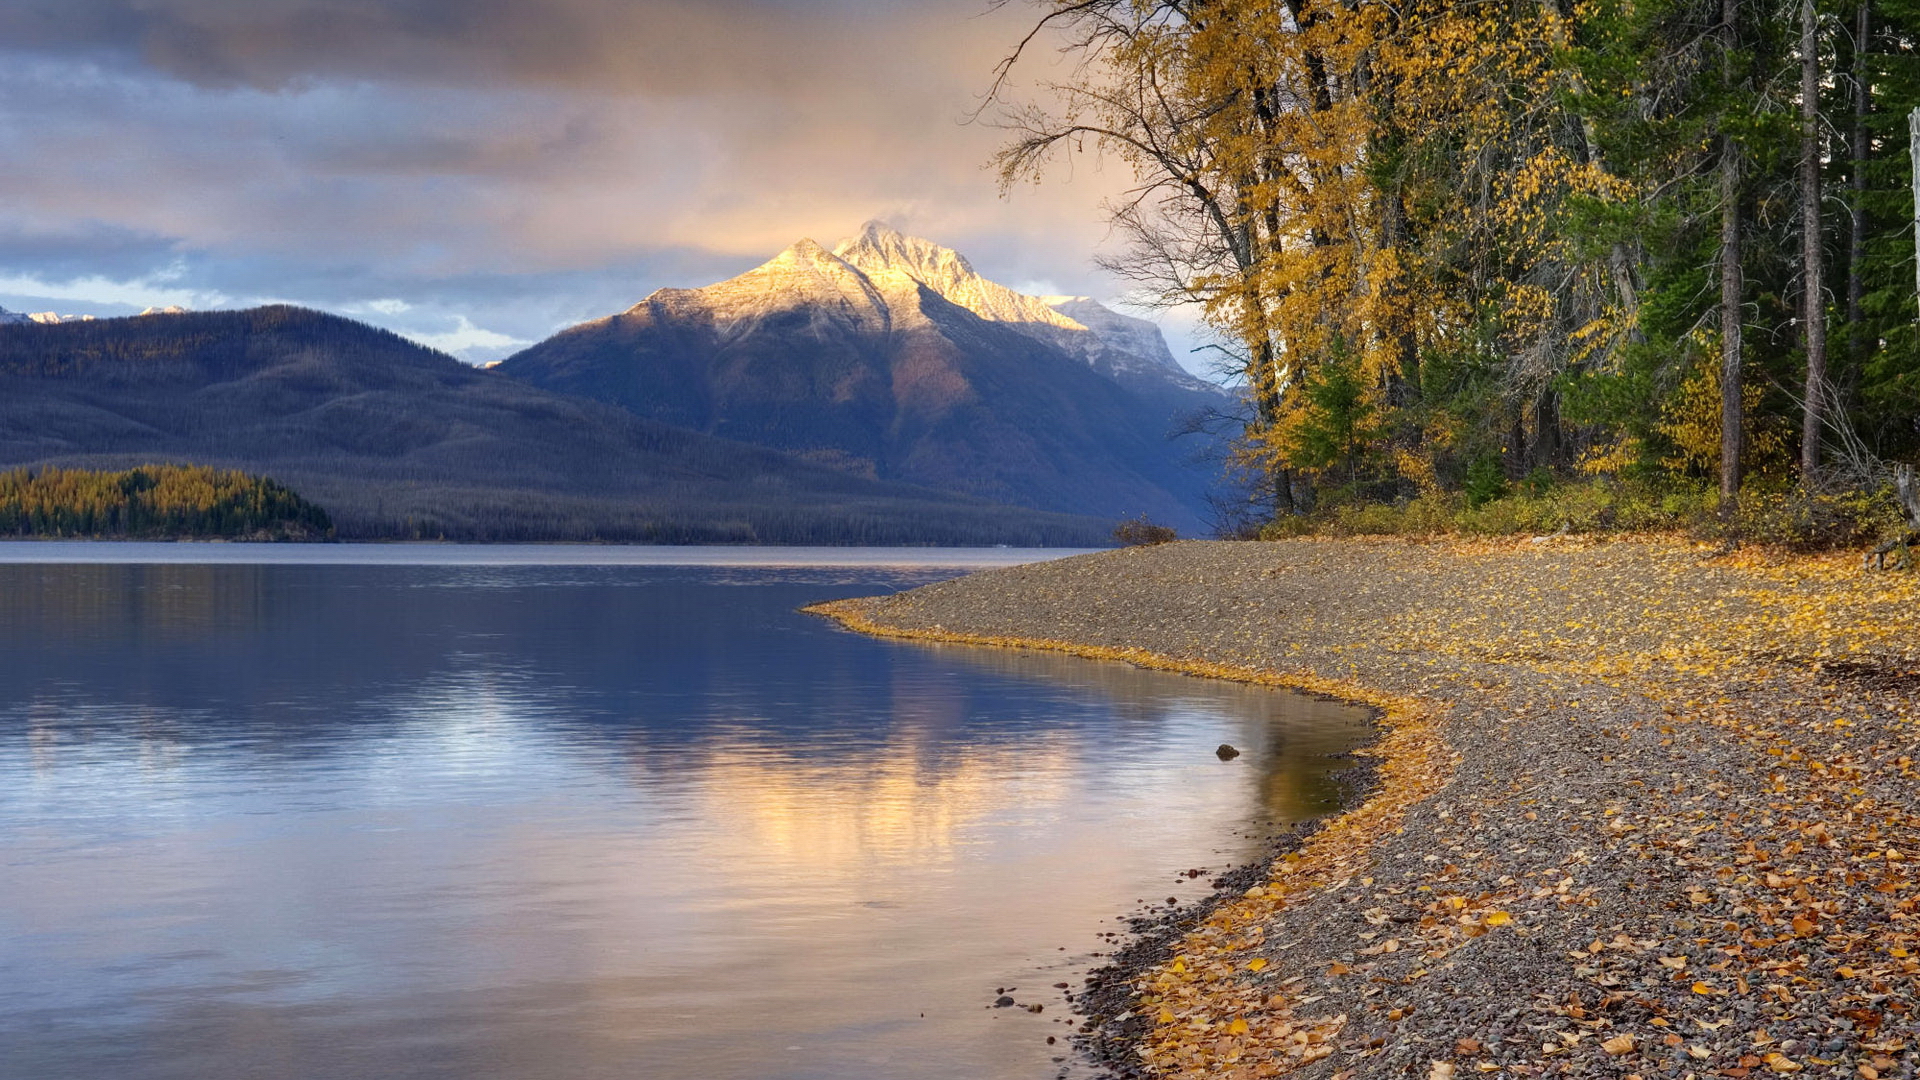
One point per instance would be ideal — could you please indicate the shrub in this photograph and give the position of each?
(1783, 517)
(1140, 532)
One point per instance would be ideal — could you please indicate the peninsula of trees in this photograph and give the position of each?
(154, 502)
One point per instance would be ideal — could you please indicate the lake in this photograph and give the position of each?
(469, 812)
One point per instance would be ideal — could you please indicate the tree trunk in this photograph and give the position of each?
(1546, 429)
(1732, 283)
(1265, 381)
(1619, 259)
(1814, 306)
(1856, 206)
(1732, 290)
(1405, 377)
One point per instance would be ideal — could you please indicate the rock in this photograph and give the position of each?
(1002, 1001)
(1226, 752)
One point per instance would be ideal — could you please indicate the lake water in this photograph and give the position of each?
(476, 813)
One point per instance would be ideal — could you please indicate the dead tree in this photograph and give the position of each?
(1909, 534)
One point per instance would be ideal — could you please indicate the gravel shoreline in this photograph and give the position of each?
(1643, 809)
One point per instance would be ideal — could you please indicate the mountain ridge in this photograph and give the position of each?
(396, 439)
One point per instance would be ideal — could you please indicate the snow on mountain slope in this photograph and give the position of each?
(54, 318)
(880, 247)
(872, 281)
(1113, 344)
(1119, 342)
(804, 276)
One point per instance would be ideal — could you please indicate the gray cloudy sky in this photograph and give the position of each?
(477, 173)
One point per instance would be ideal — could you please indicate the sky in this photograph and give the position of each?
(477, 174)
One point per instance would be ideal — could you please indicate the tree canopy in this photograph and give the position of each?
(1662, 242)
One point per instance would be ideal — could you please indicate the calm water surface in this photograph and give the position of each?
(484, 817)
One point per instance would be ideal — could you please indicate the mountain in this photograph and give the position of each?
(53, 318)
(891, 357)
(394, 439)
(49, 318)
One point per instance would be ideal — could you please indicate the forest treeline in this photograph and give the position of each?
(154, 502)
(1460, 253)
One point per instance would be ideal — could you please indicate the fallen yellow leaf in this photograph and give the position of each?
(1238, 1027)
(1257, 963)
(1499, 918)
(1619, 1044)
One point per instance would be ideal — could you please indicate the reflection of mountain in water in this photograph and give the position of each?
(310, 661)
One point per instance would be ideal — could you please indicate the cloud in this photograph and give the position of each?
(676, 47)
(516, 163)
(471, 342)
(96, 290)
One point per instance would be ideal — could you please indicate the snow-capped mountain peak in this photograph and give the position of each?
(881, 247)
(873, 281)
(805, 275)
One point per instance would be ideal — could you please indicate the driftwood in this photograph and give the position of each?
(1909, 535)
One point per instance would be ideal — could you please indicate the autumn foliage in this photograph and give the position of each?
(1575, 240)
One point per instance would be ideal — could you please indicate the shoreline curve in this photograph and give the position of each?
(1647, 808)
(1407, 761)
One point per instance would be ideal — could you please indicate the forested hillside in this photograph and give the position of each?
(1659, 249)
(398, 441)
(155, 502)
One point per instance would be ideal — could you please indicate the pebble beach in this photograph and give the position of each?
(1637, 807)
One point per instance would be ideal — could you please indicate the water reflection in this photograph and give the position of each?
(526, 822)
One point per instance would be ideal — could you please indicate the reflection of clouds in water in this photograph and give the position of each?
(832, 818)
(519, 828)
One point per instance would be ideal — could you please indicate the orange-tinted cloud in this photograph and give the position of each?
(424, 145)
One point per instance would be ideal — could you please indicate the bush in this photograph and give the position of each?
(1784, 517)
(1140, 532)
(1486, 481)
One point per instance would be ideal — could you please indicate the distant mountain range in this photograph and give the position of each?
(890, 357)
(53, 318)
(881, 392)
(396, 440)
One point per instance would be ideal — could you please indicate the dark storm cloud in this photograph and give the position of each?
(84, 249)
(671, 46)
